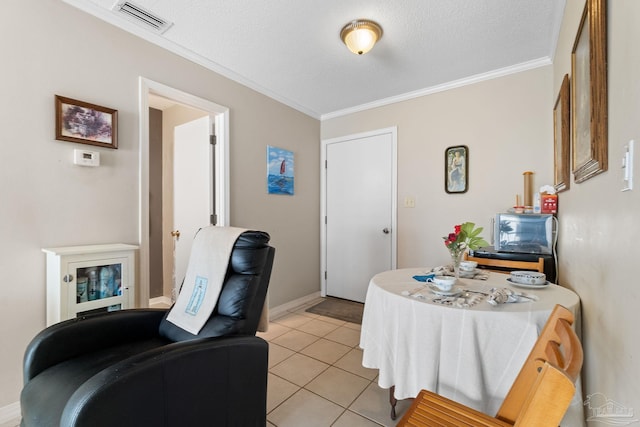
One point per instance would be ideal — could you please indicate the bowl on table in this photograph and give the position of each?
(470, 274)
(468, 265)
(528, 277)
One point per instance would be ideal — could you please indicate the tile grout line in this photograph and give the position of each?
(296, 311)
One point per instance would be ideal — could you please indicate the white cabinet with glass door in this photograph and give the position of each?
(84, 280)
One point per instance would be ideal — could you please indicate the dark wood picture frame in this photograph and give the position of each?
(456, 169)
(561, 135)
(589, 117)
(85, 123)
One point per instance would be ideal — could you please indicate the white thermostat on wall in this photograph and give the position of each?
(86, 158)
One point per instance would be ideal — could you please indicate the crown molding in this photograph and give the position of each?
(524, 66)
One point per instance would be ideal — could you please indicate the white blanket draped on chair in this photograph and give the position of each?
(205, 275)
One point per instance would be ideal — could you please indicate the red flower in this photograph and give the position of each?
(466, 236)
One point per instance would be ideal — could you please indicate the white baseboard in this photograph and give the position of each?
(281, 309)
(10, 412)
(164, 301)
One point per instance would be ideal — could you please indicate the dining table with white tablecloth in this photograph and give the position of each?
(461, 347)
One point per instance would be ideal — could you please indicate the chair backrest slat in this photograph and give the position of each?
(548, 400)
(505, 264)
(558, 349)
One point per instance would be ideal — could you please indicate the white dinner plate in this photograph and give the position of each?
(456, 290)
(525, 285)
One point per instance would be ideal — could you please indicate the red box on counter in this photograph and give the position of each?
(548, 203)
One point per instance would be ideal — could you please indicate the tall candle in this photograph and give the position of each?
(528, 188)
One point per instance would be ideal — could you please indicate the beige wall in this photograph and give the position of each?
(155, 203)
(51, 48)
(505, 122)
(599, 224)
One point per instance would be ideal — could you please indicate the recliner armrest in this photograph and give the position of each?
(220, 380)
(68, 339)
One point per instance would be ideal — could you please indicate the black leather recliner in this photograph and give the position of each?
(134, 368)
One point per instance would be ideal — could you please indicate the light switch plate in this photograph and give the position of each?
(409, 202)
(627, 167)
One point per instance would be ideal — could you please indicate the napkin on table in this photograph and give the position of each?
(424, 278)
(505, 295)
(447, 270)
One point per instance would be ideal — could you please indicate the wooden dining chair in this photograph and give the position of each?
(539, 396)
(504, 265)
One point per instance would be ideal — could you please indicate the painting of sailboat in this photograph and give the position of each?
(280, 171)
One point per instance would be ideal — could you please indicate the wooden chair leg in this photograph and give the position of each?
(393, 401)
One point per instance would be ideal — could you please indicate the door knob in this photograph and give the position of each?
(176, 234)
(385, 230)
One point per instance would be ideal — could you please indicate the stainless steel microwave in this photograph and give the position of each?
(524, 233)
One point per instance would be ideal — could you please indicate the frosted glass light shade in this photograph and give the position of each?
(361, 35)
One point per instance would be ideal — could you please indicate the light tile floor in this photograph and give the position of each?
(316, 377)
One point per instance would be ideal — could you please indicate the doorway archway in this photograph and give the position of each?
(221, 115)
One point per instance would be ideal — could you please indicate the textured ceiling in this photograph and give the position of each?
(291, 50)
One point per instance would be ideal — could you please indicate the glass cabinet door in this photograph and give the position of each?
(97, 286)
(98, 282)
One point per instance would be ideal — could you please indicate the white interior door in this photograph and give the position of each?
(148, 90)
(192, 186)
(360, 212)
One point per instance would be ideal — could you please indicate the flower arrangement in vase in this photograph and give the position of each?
(465, 236)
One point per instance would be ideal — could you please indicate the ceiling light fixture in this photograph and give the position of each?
(360, 35)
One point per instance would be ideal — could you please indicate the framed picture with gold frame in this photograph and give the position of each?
(561, 134)
(589, 93)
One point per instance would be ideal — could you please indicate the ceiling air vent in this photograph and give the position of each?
(142, 16)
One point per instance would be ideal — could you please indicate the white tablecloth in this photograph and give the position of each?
(471, 355)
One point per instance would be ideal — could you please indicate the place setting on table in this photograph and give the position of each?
(441, 286)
